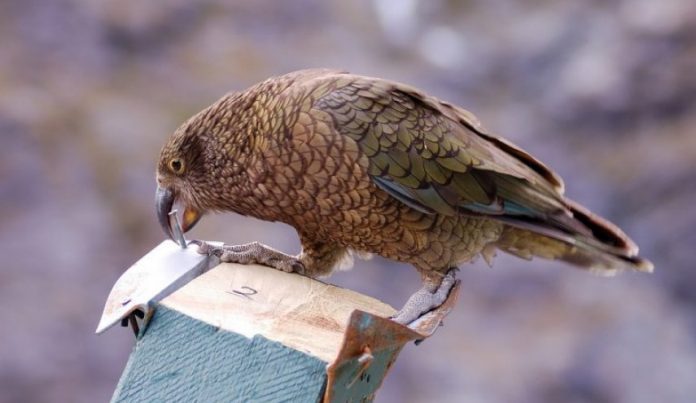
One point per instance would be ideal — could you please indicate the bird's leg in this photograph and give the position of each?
(433, 294)
(253, 252)
(319, 258)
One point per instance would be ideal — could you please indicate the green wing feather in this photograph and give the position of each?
(435, 157)
(438, 159)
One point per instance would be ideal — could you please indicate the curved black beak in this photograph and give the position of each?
(164, 201)
(188, 217)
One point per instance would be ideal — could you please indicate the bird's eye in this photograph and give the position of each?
(176, 165)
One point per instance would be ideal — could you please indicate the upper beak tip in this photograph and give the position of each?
(164, 200)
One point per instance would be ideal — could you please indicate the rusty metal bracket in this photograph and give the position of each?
(370, 347)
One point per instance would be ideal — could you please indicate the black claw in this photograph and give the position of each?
(298, 267)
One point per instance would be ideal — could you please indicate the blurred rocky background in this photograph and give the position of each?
(604, 91)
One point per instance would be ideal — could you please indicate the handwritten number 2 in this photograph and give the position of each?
(245, 292)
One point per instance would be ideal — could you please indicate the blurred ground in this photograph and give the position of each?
(604, 91)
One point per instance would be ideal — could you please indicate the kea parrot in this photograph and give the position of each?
(369, 166)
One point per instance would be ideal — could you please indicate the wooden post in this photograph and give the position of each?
(251, 333)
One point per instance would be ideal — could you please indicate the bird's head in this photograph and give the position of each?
(202, 166)
(180, 174)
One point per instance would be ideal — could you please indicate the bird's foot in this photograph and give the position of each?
(253, 252)
(426, 299)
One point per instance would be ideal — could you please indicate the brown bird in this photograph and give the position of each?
(361, 164)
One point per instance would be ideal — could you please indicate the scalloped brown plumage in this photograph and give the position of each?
(365, 164)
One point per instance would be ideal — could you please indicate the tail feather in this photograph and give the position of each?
(604, 249)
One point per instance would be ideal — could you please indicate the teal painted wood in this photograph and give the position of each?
(179, 358)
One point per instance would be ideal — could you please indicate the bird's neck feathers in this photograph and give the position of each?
(229, 130)
(238, 130)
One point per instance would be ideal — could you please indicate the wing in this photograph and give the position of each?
(436, 158)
